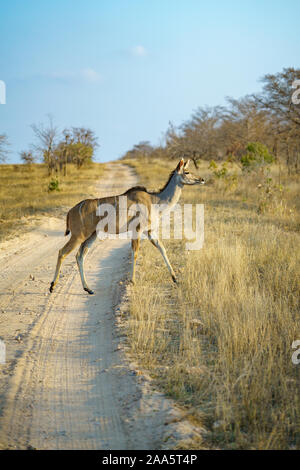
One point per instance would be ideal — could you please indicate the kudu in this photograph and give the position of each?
(82, 220)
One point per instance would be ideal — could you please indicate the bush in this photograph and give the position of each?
(53, 185)
(218, 172)
(257, 157)
(221, 172)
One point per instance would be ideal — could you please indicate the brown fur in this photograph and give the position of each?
(82, 221)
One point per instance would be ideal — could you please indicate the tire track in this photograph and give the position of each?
(61, 394)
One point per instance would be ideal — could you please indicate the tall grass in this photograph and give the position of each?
(220, 343)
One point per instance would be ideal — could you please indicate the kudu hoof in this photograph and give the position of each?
(91, 292)
(51, 287)
(174, 280)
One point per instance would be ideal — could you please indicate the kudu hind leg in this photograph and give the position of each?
(158, 244)
(84, 248)
(66, 249)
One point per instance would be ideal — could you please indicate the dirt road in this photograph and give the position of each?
(67, 382)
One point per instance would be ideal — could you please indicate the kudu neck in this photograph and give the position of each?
(171, 193)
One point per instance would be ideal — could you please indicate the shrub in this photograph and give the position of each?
(222, 173)
(218, 172)
(53, 185)
(257, 157)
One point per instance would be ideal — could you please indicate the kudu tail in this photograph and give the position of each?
(67, 227)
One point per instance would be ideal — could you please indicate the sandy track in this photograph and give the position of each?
(65, 382)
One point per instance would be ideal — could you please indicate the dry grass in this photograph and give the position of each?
(24, 192)
(220, 343)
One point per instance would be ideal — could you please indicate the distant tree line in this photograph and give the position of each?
(269, 118)
(56, 149)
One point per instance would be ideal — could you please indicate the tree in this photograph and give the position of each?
(142, 149)
(45, 146)
(197, 137)
(175, 143)
(284, 115)
(3, 147)
(277, 95)
(83, 145)
(76, 145)
(243, 122)
(63, 151)
(27, 157)
(257, 157)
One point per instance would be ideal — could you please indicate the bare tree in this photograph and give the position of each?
(142, 149)
(276, 99)
(242, 122)
(179, 145)
(27, 157)
(276, 96)
(197, 137)
(46, 137)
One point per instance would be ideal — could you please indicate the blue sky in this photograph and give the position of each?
(125, 68)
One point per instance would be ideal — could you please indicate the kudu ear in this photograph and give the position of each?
(186, 164)
(180, 165)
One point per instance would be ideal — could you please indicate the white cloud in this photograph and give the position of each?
(90, 75)
(139, 51)
(87, 74)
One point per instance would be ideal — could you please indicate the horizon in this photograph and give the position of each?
(126, 69)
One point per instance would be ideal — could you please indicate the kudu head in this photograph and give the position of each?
(184, 176)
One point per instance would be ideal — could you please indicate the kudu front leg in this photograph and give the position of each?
(159, 245)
